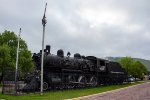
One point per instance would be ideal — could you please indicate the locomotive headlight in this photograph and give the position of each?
(37, 77)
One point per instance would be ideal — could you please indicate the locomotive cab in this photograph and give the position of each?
(101, 65)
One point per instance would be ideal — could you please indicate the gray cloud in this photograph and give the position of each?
(95, 27)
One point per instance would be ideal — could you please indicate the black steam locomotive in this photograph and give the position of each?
(65, 72)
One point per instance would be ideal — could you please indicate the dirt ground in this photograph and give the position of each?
(140, 92)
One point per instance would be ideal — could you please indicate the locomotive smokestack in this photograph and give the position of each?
(48, 47)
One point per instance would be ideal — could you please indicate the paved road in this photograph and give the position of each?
(140, 92)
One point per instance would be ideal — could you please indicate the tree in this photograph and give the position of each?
(8, 47)
(5, 59)
(127, 63)
(139, 70)
(134, 68)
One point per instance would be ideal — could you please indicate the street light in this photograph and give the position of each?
(44, 24)
(16, 72)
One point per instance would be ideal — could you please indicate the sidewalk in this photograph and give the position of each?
(138, 92)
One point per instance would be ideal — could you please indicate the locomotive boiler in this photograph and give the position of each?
(63, 72)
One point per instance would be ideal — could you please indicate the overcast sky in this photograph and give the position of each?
(89, 27)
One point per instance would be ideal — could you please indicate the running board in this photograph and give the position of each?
(81, 83)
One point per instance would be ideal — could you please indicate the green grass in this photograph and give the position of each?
(65, 94)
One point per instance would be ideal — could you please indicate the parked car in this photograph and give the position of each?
(131, 78)
(138, 79)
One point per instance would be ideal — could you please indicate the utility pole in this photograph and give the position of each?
(44, 21)
(16, 72)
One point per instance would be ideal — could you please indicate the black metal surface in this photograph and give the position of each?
(63, 72)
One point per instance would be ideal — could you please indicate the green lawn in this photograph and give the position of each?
(66, 94)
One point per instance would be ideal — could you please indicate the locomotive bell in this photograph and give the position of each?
(60, 53)
(68, 54)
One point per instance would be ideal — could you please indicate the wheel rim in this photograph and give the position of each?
(93, 81)
(82, 79)
(71, 78)
(45, 86)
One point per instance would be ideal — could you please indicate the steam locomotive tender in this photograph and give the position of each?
(65, 72)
